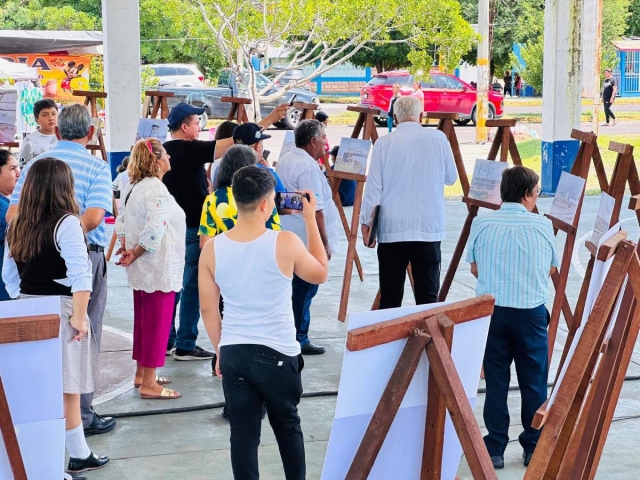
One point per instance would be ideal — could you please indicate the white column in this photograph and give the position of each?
(121, 33)
(482, 99)
(561, 101)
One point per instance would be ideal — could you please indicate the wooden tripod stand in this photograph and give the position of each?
(433, 331)
(237, 109)
(445, 125)
(307, 110)
(159, 101)
(504, 144)
(578, 419)
(91, 100)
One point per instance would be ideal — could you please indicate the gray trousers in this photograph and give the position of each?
(97, 304)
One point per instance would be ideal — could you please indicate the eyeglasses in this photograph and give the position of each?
(538, 191)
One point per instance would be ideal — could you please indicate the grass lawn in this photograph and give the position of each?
(530, 152)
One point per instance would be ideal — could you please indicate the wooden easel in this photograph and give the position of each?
(365, 123)
(432, 331)
(445, 125)
(307, 110)
(503, 143)
(580, 168)
(91, 100)
(576, 426)
(624, 172)
(17, 330)
(159, 101)
(237, 108)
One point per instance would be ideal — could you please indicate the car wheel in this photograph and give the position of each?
(381, 122)
(292, 118)
(204, 118)
(462, 122)
(490, 115)
(280, 125)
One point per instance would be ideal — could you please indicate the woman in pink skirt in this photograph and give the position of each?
(151, 229)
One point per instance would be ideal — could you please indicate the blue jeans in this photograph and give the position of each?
(518, 335)
(188, 298)
(390, 122)
(302, 294)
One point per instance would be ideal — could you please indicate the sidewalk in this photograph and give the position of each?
(187, 438)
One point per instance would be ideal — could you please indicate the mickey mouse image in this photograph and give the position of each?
(71, 71)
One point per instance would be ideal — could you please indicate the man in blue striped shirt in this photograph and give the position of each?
(92, 185)
(512, 253)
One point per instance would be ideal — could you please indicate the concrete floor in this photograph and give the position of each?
(195, 444)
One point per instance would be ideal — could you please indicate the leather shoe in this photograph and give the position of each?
(311, 349)
(527, 458)
(99, 425)
(498, 462)
(92, 462)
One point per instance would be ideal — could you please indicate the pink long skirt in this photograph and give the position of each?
(152, 314)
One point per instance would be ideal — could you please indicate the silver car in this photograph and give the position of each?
(177, 74)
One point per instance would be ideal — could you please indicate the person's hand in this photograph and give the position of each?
(326, 249)
(263, 162)
(278, 113)
(127, 258)
(121, 250)
(308, 204)
(365, 236)
(218, 371)
(80, 324)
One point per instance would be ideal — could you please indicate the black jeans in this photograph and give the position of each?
(251, 375)
(607, 111)
(518, 335)
(393, 259)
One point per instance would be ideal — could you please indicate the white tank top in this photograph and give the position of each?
(257, 295)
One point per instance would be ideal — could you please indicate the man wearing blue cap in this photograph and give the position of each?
(187, 182)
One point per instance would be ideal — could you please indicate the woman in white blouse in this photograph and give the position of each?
(151, 229)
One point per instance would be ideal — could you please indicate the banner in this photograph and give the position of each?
(59, 74)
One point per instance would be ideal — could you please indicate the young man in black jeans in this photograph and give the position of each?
(609, 91)
(258, 355)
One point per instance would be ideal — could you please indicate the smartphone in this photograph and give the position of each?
(265, 154)
(293, 99)
(290, 200)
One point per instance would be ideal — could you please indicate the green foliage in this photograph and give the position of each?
(34, 15)
(633, 22)
(148, 81)
(96, 76)
(384, 56)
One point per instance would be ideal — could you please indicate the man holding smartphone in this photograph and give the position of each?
(299, 171)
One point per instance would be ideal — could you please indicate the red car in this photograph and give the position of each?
(442, 93)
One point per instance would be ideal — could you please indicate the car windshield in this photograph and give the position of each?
(261, 81)
(377, 80)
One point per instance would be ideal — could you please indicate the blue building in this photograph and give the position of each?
(627, 73)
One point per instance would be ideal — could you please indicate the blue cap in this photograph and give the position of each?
(180, 112)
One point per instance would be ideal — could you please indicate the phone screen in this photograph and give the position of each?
(289, 200)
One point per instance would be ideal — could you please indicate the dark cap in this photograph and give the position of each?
(335, 150)
(321, 116)
(180, 112)
(249, 133)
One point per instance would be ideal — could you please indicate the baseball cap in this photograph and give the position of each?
(180, 112)
(249, 133)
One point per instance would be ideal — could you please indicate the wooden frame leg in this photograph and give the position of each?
(387, 408)
(10, 438)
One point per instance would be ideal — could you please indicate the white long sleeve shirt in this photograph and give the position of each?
(409, 169)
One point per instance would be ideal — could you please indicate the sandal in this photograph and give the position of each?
(160, 380)
(165, 394)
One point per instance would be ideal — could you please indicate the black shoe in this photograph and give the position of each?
(498, 462)
(99, 425)
(527, 458)
(311, 349)
(92, 462)
(170, 349)
(196, 354)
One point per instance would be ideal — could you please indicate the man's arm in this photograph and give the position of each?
(450, 171)
(474, 269)
(323, 231)
(372, 194)
(91, 218)
(275, 116)
(210, 297)
(613, 93)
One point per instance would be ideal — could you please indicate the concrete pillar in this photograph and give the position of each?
(561, 101)
(121, 33)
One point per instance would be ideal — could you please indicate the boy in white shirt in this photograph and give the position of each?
(44, 139)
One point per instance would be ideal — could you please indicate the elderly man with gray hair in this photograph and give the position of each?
(409, 169)
(92, 183)
(299, 170)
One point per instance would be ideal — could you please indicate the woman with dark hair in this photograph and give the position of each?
(223, 131)
(52, 260)
(151, 228)
(9, 174)
(219, 212)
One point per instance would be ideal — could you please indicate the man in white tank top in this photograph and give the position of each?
(258, 355)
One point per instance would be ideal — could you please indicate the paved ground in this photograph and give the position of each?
(187, 438)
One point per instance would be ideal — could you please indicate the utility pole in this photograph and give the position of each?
(482, 133)
(597, 4)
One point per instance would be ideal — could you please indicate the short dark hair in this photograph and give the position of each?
(250, 185)
(306, 130)
(4, 156)
(236, 157)
(517, 182)
(225, 130)
(43, 104)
